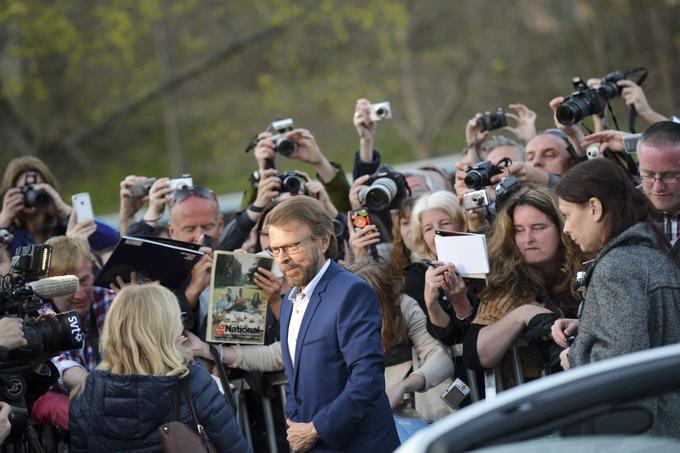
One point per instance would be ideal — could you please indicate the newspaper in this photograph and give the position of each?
(237, 307)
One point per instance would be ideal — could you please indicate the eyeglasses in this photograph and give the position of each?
(666, 179)
(288, 249)
(198, 191)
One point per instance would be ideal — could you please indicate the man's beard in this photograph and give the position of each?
(308, 272)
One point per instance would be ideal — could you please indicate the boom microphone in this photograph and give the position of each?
(50, 287)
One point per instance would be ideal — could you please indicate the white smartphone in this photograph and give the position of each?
(83, 206)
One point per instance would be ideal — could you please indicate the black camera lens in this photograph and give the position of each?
(59, 333)
(286, 147)
(291, 184)
(475, 180)
(35, 198)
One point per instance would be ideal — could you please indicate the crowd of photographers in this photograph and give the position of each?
(563, 210)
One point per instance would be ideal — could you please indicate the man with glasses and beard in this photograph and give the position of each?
(330, 338)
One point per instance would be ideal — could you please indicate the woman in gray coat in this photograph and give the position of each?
(633, 282)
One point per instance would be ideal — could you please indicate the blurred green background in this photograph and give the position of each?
(101, 89)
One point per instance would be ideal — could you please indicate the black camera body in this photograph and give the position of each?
(492, 121)
(385, 189)
(587, 101)
(505, 189)
(479, 175)
(34, 198)
(292, 182)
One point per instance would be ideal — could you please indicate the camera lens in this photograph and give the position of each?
(36, 198)
(475, 179)
(291, 184)
(381, 193)
(286, 147)
(55, 334)
(572, 111)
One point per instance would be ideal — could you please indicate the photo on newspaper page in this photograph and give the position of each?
(237, 307)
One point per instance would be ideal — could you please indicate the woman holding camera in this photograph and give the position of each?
(633, 283)
(532, 266)
(445, 297)
(143, 371)
(33, 211)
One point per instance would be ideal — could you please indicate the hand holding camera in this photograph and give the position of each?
(525, 119)
(134, 191)
(268, 188)
(12, 204)
(265, 152)
(159, 195)
(562, 330)
(12, 333)
(444, 277)
(363, 123)
(474, 135)
(317, 190)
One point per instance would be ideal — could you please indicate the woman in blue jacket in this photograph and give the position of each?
(130, 394)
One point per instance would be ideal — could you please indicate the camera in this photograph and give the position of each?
(384, 190)
(141, 189)
(34, 198)
(479, 175)
(455, 393)
(5, 236)
(380, 111)
(183, 182)
(48, 335)
(504, 190)
(476, 199)
(492, 121)
(630, 143)
(292, 182)
(587, 101)
(593, 151)
(284, 146)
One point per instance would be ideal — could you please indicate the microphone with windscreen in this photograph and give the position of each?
(50, 287)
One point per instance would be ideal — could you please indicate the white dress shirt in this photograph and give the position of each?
(300, 300)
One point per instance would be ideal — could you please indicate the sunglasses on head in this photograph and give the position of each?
(198, 191)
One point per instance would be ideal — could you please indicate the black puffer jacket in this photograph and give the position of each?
(123, 412)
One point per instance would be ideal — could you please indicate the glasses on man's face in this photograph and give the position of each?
(289, 249)
(198, 191)
(666, 179)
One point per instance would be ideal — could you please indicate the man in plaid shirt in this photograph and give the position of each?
(659, 157)
(73, 257)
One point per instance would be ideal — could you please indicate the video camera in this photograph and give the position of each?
(479, 175)
(384, 190)
(34, 198)
(587, 101)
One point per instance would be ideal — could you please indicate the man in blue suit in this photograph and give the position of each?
(330, 338)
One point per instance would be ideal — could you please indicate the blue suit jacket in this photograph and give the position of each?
(338, 380)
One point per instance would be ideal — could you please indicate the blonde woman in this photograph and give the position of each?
(131, 392)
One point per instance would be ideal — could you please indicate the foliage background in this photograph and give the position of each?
(101, 89)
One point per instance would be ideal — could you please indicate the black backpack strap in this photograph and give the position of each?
(199, 427)
(224, 380)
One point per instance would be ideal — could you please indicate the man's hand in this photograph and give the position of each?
(200, 277)
(308, 151)
(365, 129)
(82, 230)
(563, 328)
(608, 139)
(195, 346)
(525, 173)
(353, 191)
(5, 425)
(12, 204)
(159, 196)
(564, 359)
(525, 118)
(129, 204)
(12, 333)
(301, 436)
(268, 282)
(264, 150)
(268, 188)
(634, 96)
(473, 133)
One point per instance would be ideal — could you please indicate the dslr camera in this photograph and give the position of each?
(284, 146)
(479, 175)
(586, 101)
(492, 121)
(380, 111)
(292, 182)
(34, 198)
(384, 190)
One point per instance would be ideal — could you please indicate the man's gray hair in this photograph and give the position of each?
(501, 140)
(661, 134)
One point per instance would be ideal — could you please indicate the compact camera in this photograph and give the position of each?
(630, 142)
(380, 111)
(384, 190)
(141, 189)
(479, 175)
(455, 393)
(475, 200)
(34, 198)
(184, 182)
(284, 146)
(292, 182)
(593, 151)
(492, 121)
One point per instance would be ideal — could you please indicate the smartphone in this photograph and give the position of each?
(455, 393)
(360, 219)
(83, 206)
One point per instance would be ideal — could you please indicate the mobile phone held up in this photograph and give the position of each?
(83, 205)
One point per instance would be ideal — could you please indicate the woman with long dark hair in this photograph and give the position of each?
(633, 282)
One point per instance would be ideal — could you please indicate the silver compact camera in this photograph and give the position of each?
(184, 182)
(284, 146)
(475, 200)
(455, 393)
(380, 111)
(593, 151)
